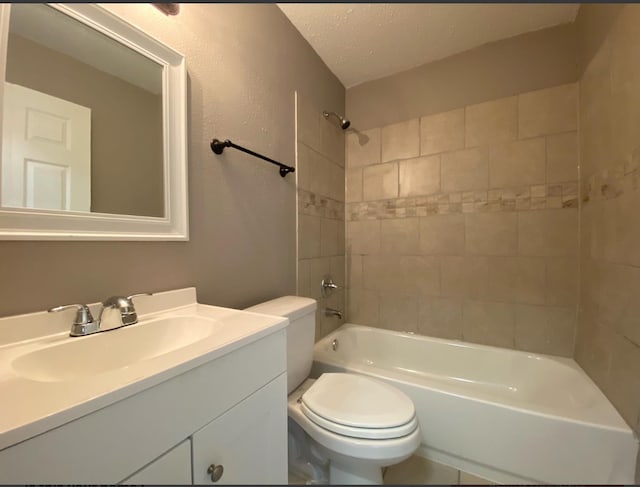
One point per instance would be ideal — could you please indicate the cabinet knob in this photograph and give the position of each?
(216, 472)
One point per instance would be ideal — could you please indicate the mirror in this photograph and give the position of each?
(93, 127)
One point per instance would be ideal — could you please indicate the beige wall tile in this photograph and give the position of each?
(442, 234)
(624, 379)
(337, 270)
(593, 350)
(319, 175)
(502, 277)
(530, 282)
(363, 237)
(469, 479)
(407, 275)
(465, 170)
(561, 280)
(308, 236)
(398, 312)
(342, 241)
(332, 141)
(620, 232)
(596, 109)
(491, 233)
(489, 323)
(363, 307)
(548, 111)
(552, 233)
(422, 275)
(328, 237)
(420, 471)
(518, 163)
(491, 122)
(544, 329)
(337, 182)
(309, 123)
(624, 73)
(380, 182)
(304, 278)
(354, 185)
(324, 136)
(318, 268)
(517, 280)
(464, 277)
(354, 271)
(401, 140)
(400, 236)
(304, 167)
(562, 157)
(363, 148)
(442, 132)
(330, 323)
(440, 317)
(420, 176)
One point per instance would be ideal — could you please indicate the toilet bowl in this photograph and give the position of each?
(343, 428)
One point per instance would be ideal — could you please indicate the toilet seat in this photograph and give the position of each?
(358, 407)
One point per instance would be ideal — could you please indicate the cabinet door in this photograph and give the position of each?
(249, 441)
(172, 468)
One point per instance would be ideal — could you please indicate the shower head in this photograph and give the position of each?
(344, 123)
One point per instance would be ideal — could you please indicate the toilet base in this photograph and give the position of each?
(355, 473)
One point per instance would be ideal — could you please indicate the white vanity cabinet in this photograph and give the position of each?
(245, 444)
(229, 411)
(172, 468)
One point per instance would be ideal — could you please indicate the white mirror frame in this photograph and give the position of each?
(28, 224)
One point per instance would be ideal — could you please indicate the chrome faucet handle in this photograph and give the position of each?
(327, 286)
(125, 308)
(83, 323)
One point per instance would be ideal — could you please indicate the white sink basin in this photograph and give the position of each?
(114, 349)
(50, 379)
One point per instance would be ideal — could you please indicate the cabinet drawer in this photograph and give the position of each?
(249, 441)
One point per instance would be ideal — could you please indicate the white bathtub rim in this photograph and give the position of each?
(615, 423)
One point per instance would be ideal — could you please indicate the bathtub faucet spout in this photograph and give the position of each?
(332, 312)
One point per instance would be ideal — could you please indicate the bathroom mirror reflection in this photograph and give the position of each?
(82, 119)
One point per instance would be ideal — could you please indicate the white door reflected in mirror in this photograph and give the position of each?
(46, 160)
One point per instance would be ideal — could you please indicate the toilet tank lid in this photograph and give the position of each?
(291, 307)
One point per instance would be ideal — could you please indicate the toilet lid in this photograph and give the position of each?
(358, 402)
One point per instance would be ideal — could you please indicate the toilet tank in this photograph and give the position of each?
(300, 333)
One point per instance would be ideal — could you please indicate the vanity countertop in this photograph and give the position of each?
(35, 402)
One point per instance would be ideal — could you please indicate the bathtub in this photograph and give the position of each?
(505, 415)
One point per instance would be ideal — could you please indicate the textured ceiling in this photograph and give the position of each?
(362, 42)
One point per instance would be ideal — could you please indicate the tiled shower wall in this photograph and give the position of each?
(608, 334)
(320, 184)
(464, 224)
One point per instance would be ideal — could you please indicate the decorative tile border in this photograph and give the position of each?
(537, 197)
(315, 205)
(611, 183)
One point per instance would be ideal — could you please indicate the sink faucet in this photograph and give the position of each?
(332, 312)
(116, 311)
(119, 311)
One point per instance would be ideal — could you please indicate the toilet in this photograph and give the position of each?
(343, 428)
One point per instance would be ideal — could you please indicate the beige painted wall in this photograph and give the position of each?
(126, 125)
(508, 67)
(464, 224)
(608, 338)
(245, 62)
